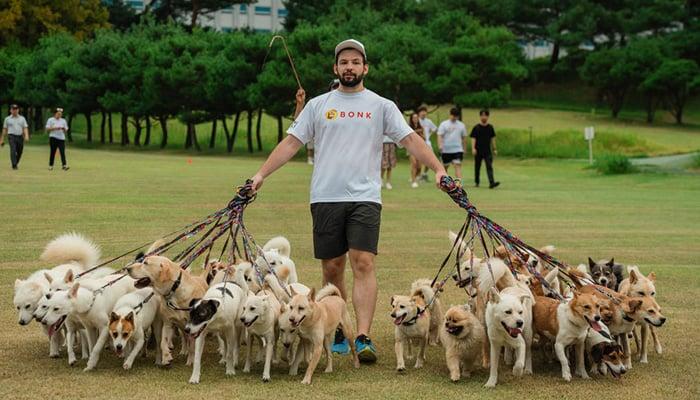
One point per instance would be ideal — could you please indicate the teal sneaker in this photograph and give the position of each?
(340, 344)
(366, 351)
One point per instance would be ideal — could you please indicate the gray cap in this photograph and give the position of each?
(350, 44)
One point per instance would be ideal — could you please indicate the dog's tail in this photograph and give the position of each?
(71, 247)
(270, 280)
(489, 277)
(421, 287)
(326, 291)
(280, 243)
(548, 249)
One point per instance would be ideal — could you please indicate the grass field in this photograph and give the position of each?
(123, 199)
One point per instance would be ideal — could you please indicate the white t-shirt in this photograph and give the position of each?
(452, 134)
(428, 128)
(15, 125)
(57, 123)
(348, 131)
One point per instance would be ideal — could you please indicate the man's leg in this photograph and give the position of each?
(334, 272)
(477, 168)
(52, 149)
(20, 148)
(13, 150)
(364, 289)
(458, 171)
(489, 168)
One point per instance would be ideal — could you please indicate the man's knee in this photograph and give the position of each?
(363, 264)
(333, 267)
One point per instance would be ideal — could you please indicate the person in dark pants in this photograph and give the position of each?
(17, 131)
(483, 143)
(57, 127)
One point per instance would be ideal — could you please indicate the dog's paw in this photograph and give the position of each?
(194, 380)
(222, 360)
(518, 370)
(126, 366)
(306, 381)
(230, 372)
(246, 369)
(566, 376)
(266, 379)
(491, 383)
(88, 369)
(72, 362)
(401, 369)
(643, 360)
(54, 355)
(292, 373)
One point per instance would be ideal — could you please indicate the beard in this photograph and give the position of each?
(350, 80)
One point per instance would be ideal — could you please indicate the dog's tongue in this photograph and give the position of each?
(53, 328)
(514, 332)
(399, 320)
(596, 326)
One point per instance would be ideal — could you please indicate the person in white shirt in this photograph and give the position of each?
(57, 127)
(452, 135)
(347, 127)
(16, 130)
(428, 129)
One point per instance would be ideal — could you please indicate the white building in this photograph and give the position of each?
(261, 16)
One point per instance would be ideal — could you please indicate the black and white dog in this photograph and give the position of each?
(606, 273)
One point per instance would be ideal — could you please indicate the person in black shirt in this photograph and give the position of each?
(483, 142)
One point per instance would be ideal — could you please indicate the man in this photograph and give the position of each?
(428, 129)
(57, 127)
(16, 129)
(300, 100)
(347, 126)
(451, 141)
(483, 142)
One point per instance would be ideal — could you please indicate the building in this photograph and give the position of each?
(260, 16)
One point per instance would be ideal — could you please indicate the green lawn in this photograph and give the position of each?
(123, 199)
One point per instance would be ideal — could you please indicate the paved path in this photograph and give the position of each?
(679, 161)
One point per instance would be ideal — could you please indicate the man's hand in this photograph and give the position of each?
(473, 151)
(300, 96)
(257, 181)
(26, 138)
(2, 142)
(495, 152)
(438, 177)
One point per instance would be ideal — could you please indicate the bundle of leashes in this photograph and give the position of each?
(478, 229)
(228, 221)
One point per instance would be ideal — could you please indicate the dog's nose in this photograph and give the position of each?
(663, 319)
(393, 315)
(597, 318)
(242, 319)
(187, 329)
(623, 370)
(291, 319)
(119, 347)
(23, 322)
(520, 323)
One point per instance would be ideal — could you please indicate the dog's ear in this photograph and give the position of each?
(69, 277)
(283, 308)
(73, 292)
(113, 317)
(215, 303)
(292, 291)
(494, 296)
(312, 294)
(552, 275)
(652, 276)
(635, 305)
(46, 276)
(633, 276)
(597, 353)
(130, 317)
(18, 282)
(591, 263)
(193, 301)
(392, 301)
(611, 262)
(167, 270)
(524, 298)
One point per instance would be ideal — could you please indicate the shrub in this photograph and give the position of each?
(614, 164)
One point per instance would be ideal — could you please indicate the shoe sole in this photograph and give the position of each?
(367, 356)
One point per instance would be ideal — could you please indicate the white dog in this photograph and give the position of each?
(509, 325)
(260, 315)
(133, 315)
(218, 312)
(277, 252)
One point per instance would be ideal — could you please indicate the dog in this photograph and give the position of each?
(260, 315)
(637, 285)
(178, 287)
(277, 252)
(90, 301)
(413, 321)
(552, 280)
(218, 311)
(316, 319)
(606, 273)
(462, 336)
(509, 326)
(604, 353)
(567, 324)
(69, 251)
(133, 315)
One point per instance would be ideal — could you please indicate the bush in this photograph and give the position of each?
(614, 164)
(696, 161)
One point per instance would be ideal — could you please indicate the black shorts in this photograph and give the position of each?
(342, 226)
(452, 158)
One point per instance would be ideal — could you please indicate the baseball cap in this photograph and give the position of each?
(350, 44)
(59, 109)
(13, 106)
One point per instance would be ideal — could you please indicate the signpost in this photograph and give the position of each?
(589, 134)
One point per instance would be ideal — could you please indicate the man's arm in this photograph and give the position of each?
(417, 148)
(282, 153)
(300, 100)
(2, 137)
(493, 145)
(25, 132)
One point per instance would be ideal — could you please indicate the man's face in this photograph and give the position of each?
(453, 118)
(59, 114)
(484, 118)
(350, 68)
(14, 111)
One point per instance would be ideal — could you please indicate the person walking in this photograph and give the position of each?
(16, 130)
(347, 126)
(428, 129)
(484, 148)
(414, 123)
(57, 127)
(451, 141)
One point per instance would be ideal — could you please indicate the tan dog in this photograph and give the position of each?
(414, 320)
(567, 324)
(316, 318)
(637, 285)
(177, 287)
(462, 336)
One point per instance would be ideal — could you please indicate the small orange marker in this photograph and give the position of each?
(189, 161)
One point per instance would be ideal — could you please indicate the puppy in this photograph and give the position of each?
(637, 285)
(218, 311)
(606, 273)
(133, 315)
(277, 252)
(462, 336)
(412, 321)
(316, 318)
(260, 316)
(508, 325)
(567, 323)
(604, 353)
(177, 287)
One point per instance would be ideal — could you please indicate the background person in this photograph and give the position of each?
(16, 130)
(414, 123)
(428, 129)
(483, 142)
(452, 136)
(57, 127)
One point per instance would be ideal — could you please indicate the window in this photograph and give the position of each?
(282, 12)
(227, 10)
(135, 4)
(262, 30)
(259, 10)
(244, 9)
(226, 29)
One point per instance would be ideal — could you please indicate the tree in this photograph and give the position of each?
(121, 15)
(607, 71)
(26, 21)
(676, 81)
